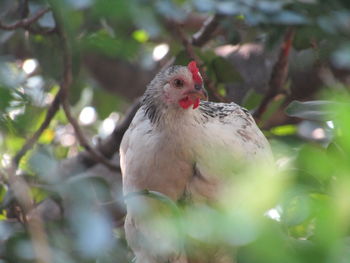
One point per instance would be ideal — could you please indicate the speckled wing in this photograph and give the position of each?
(235, 126)
(229, 141)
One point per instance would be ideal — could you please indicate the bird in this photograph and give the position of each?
(181, 146)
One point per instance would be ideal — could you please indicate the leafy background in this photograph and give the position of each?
(62, 201)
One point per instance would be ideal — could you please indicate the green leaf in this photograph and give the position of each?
(181, 58)
(113, 46)
(322, 170)
(3, 192)
(225, 71)
(83, 184)
(140, 36)
(13, 143)
(77, 91)
(30, 120)
(105, 103)
(38, 194)
(284, 130)
(48, 52)
(318, 110)
(304, 36)
(47, 136)
(155, 195)
(42, 163)
(272, 107)
(207, 56)
(5, 98)
(114, 9)
(221, 89)
(252, 100)
(296, 209)
(7, 198)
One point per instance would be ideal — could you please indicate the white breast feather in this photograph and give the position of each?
(191, 155)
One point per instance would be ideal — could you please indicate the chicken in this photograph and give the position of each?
(184, 147)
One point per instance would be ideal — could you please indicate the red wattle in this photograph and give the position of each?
(196, 103)
(185, 103)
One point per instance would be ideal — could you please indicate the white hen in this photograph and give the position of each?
(184, 149)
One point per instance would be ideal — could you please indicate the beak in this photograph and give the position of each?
(198, 92)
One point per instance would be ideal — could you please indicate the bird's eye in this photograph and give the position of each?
(178, 83)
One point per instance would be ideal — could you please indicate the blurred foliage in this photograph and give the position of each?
(299, 214)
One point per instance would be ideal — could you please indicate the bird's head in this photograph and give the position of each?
(185, 87)
(177, 87)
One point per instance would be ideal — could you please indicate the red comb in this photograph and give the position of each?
(192, 67)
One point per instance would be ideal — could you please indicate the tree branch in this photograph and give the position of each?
(51, 112)
(26, 22)
(205, 32)
(35, 224)
(278, 75)
(65, 84)
(109, 146)
(84, 142)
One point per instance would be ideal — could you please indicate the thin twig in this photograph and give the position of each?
(35, 223)
(109, 146)
(84, 142)
(51, 112)
(190, 52)
(65, 84)
(278, 75)
(205, 32)
(24, 23)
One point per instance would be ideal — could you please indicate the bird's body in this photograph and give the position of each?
(182, 152)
